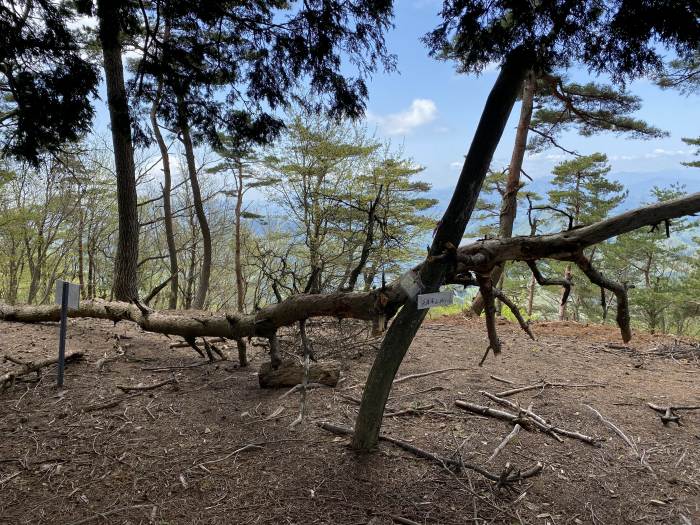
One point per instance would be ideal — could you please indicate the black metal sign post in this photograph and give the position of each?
(62, 334)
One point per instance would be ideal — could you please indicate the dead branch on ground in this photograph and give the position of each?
(546, 384)
(525, 418)
(28, 367)
(143, 388)
(668, 414)
(512, 475)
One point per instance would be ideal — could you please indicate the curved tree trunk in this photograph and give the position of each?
(167, 206)
(509, 204)
(449, 232)
(203, 285)
(125, 284)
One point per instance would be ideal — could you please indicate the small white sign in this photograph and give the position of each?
(428, 300)
(73, 294)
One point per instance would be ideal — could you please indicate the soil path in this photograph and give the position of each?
(214, 448)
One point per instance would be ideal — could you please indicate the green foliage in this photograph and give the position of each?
(614, 37)
(589, 108)
(693, 142)
(46, 84)
(682, 73)
(344, 194)
(582, 190)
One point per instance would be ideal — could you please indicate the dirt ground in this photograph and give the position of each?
(179, 454)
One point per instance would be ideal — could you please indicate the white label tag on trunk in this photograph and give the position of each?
(428, 300)
(73, 294)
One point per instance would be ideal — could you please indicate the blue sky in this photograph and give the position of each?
(432, 112)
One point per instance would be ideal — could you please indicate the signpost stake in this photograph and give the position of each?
(62, 335)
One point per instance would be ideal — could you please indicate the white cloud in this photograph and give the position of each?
(421, 112)
(661, 152)
(456, 165)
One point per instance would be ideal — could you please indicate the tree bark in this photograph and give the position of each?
(81, 251)
(449, 232)
(167, 206)
(509, 203)
(203, 284)
(240, 283)
(562, 304)
(366, 245)
(125, 283)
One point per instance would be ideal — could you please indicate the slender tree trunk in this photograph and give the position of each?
(509, 203)
(189, 290)
(81, 252)
(450, 232)
(91, 268)
(562, 304)
(366, 246)
(203, 285)
(531, 295)
(125, 284)
(240, 283)
(167, 206)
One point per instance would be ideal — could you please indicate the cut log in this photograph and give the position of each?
(291, 373)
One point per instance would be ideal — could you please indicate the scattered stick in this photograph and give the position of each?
(424, 374)
(614, 428)
(29, 367)
(411, 411)
(537, 420)
(492, 412)
(185, 344)
(668, 414)
(227, 456)
(297, 388)
(546, 384)
(142, 388)
(403, 521)
(431, 389)
(512, 476)
(507, 393)
(507, 439)
(109, 404)
(526, 415)
(622, 435)
(353, 400)
(168, 368)
(506, 381)
(10, 477)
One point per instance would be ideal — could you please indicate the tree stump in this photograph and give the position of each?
(291, 373)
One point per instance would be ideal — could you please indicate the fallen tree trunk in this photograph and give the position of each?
(480, 257)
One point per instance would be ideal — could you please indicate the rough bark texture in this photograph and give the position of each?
(167, 206)
(449, 233)
(509, 204)
(125, 285)
(291, 373)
